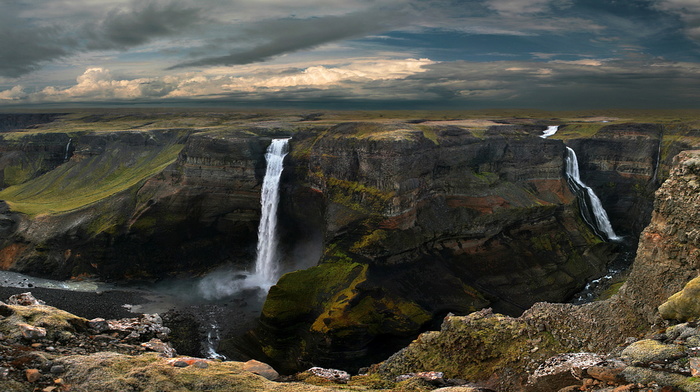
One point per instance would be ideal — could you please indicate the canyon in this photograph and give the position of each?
(386, 226)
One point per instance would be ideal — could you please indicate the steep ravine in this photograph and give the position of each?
(424, 221)
(44, 348)
(501, 351)
(409, 222)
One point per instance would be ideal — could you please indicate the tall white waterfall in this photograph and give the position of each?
(591, 202)
(266, 263)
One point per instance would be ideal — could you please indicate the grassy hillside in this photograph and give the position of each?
(81, 182)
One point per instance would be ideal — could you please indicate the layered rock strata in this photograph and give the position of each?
(666, 260)
(420, 222)
(409, 221)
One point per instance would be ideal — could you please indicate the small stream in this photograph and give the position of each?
(219, 313)
(616, 273)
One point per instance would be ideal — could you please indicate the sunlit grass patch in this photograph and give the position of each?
(80, 183)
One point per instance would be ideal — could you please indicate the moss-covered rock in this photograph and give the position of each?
(298, 294)
(684, 305)
(635, 374)
(108, 372)
(476, 347)
(317, 316)
(647, 350)
(56, 321)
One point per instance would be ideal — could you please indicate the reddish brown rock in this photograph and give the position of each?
(32, 375)
(570, 388)
(261, 369)
(607, 374)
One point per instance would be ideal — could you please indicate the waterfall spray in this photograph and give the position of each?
(590, 202)
(266, 262)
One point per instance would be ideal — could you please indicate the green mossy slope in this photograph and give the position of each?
(79, 183)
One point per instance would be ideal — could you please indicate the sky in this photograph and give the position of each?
(369, 54)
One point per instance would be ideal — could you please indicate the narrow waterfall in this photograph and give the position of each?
(551, 130)
(65, 155)
(654, 178)
(591, 208)
(266, 263)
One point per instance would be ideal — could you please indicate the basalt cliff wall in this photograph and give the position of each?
(406, 221)
(421, 221)
(130, 204)
(502, 351)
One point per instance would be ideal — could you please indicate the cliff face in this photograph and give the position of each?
(669, 249)
(668, 257)
(409, 221)
(134, 204)
(621, 162)
(420, 221)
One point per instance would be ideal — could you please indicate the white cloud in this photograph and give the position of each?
(14, 94)
(320, 76)
(515, 7)
(98, 83)
(587, 62)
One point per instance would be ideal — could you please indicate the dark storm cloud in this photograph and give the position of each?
(619, 83)
(289, 35)
(24, 46)
(23, 50)
(124, 28)
(26, 43)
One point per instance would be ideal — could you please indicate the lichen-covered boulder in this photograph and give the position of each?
(647, 350)
(684, 305)
(45, 321)
(108, 371)
(641, 375)
(478, 346)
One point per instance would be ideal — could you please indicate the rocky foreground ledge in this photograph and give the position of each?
(46, 349)
(43, 348)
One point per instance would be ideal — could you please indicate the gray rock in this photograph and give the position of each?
(24, 299)
(562, 371)
(435, 378)
(157, 345)
(57, 369)
(98, 325)
(201, 365)
(31, 332)
(339, 376)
